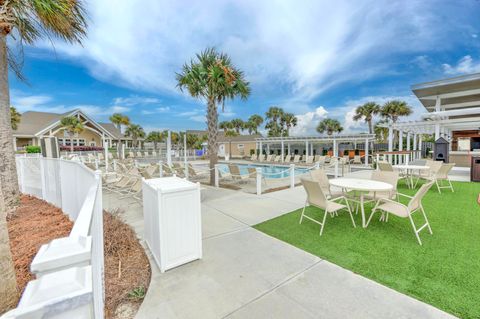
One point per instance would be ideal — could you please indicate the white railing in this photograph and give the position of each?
(71, 268)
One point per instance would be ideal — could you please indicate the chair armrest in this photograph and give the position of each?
(400, 194)
(392, 201)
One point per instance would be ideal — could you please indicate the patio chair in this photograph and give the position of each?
(130, 155)
(100, 156)
(288, 158)
(145, 154)
(277, 159)
(154, 154)
(321, 177)
(261, 157)
(357, 159)
(386, 177)
(385, 166)
(139, 154)
(253, 157)
(442, 175)
(296, 159)
(237, 176)
(309, 159)
(405, 211)
(269, 157)
(316, 197)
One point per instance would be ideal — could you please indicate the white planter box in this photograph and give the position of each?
(173, 222)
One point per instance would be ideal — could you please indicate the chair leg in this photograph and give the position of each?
(370, 218)
(351, 216)
(323, 222)
(438, 186)
(303, 212)
(451, 186)
(426, 219)
(415, 230)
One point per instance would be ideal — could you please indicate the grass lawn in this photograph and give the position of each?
(444, 272)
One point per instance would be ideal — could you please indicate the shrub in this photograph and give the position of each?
(252, 151)
(324, 152)
(81, 148)
(33, 149)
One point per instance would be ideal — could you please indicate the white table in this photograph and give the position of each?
(409, 170)
(362, 185)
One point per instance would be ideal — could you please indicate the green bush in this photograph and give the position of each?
(252, 151)
(33, 149)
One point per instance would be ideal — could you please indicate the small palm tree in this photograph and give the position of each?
(367, 111)
(230, 134)
(15, 118)
(238, 125)
(253, 123)
(274, 127)
(330, 126)
(134, 131)
(155, 137)
(288, 120)
(72, 125)
(213, 77)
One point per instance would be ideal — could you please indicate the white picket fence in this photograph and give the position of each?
(70, 270)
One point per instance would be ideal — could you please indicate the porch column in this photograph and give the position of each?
(260, 148)
(415, 141)
(283, 152)
(311, 148)
(420, 144)
(335, 152)
(400, 141)
(289, 153)
(268, 148)
(408, 141)
(306, 147)
(366, 151)
(437, 131)
(390, 142)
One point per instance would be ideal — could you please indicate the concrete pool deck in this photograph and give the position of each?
(247, 274)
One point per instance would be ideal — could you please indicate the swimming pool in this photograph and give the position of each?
(269, 171)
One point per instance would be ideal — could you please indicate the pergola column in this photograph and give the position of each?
(306, 147)
(268, 148)
(437, 131)
(335, 152)
(366, 151)
(415, 141)
(261, 148)
(390, 142)
(400, 141)
(289, 153)
(408, 141)
(283, 152)
(169, 148)
(420, 144)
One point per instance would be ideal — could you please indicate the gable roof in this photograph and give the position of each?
(33, 122)
(112, 129)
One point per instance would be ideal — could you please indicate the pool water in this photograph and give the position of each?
(269, 171)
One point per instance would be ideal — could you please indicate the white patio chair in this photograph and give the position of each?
(261, 158)
(405, 211)
(321, 177)
(357, 159)
(442, 175)
(277, 159)
(269, 158)
(253, 157)
(296, 159)
(316, 197)
(386, 177)
(288, 158)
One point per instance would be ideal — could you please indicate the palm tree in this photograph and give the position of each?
(288, 120)
(367, 111)
(225, 126)
(330, 126)
(380, 132)
(135, 131)
(254, 122)
(73, 126)
(28, 21)
(213, 77)
(392, 110)
(238, 125)
(230, 134)
(273, 126)
(155, 137)
(15, 118)
(119, 120)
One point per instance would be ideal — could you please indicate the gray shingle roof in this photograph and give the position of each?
(32, 122)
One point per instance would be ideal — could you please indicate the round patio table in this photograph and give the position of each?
(409, 169)
(362, 185)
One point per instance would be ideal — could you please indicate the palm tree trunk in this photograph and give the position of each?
(8, 169)
(8, 281)
(212, 124)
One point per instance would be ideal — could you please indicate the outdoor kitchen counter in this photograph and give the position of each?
(462, 158)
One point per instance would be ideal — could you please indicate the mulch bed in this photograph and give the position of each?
(34, 223)
(127, 269)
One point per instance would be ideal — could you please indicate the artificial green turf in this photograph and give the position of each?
(444, 272)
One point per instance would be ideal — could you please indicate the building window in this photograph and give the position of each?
(240, 146)
(81, 142)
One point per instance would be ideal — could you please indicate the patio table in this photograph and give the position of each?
(362, 185)
(409, 169)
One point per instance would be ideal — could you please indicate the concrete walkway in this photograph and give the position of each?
(247, 274)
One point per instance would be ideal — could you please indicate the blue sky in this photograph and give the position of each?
(316, 59)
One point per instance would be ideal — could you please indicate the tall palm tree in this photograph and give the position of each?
(28, 21)
(288, 120)
(15, 118)
(134, 131)
(273, 115)
(238, 125)
(254, 122)
(213, 77)
(392, 110)
(117, 120)
(380, 132)
(225, 126)
(72, 125)
(367, 111)
(330, 126)
(155, 137)
(229, 134)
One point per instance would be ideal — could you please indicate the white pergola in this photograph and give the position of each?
(309, 142)
(451, 104)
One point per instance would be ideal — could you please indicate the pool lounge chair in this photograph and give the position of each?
(253, 157)
(357, 159)
(277, 158)
(316, 197)
(261, 158)
(296, 159)
(130, 155)
(269, 158)
(309, 159)
(237, 176)
(405, 211)
(288, 158)
(139, 154)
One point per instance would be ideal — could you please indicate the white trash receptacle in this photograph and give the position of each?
(173, 222)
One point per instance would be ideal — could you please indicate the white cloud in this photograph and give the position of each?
(304, 47)
(198, 118)
(163, 109)
(307, 122)
(464, 66)
(135, 100)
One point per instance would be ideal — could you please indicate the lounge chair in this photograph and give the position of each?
(405, 211)
(316, 197)
(145, 154)
(253, 157)
(236, 174)
(309, 159)
(261, 157)
(442, 175)
(130, 155)
(277, 158)
(134, 189)
(357, 159)
(139, 154)
(269, 158)
(296, 159)
(149, 172)
(288, 158)
(154, 154)
(320, 160)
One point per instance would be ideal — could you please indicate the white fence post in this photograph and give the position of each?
(43, 177)
(292, 175)
(336, 168)
(259, 180)
(97, 251)
(216, 175)
(186, 170)
(160, 168)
